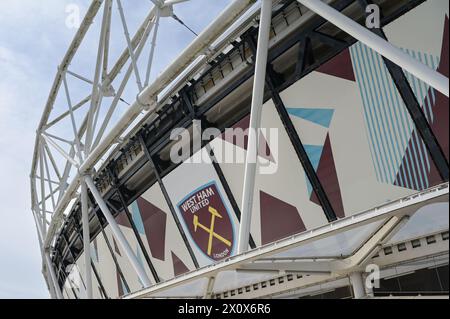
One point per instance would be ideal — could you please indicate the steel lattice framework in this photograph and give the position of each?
(64, 166)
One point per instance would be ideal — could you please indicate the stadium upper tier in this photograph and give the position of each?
(354, 134)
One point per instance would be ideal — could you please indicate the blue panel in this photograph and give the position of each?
(314, 153)
(319, 116)
(137, 219)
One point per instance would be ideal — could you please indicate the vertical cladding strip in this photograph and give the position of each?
(366, 93)
(388, 112)
(382, 125)
(420, 122)
(168, 201)
(391, 111)
(416, 149)
(393, 108)
(405, 121)
(402, 135)
(422, 92)
(412, 90)
(417, 114)
(375, 153)
(383, 114)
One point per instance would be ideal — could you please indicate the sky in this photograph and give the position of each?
(34, 37)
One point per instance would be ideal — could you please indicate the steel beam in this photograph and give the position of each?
(357, 281)
(254, 125)
(193, 114)
(413, 106)
(86, 239)
(145, 100)
(386, 49)
(295, 138)
(168, 201)
(133, 226)
(54, 279)
(99, 280)
(113, 256)
(117, 232)
(94, 269)
(209, 288)
(399, 208)
(69, 249)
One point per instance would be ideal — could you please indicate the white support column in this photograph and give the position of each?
(53, 277)
(60, 150)
(43, 207)
(383, 47)
(50, 286)
(55, 292)
(117, 232)
(209, 288)
(356, 279)
(86, 239)
(152, 47)
(255, 122)
(97, 94)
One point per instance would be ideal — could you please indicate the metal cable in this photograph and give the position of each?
(183, 24)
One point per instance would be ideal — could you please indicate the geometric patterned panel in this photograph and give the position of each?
(278, 219)
(326, 172)
(398, 153)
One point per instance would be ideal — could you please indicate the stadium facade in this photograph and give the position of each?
(356, 207)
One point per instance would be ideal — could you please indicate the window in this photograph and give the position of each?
(431, 240)
(387, 251)
(415, 243)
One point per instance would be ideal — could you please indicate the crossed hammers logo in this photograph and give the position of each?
(214, 213)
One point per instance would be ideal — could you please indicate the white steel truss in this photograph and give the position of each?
(63, 164)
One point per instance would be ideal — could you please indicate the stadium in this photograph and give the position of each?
(338, 188)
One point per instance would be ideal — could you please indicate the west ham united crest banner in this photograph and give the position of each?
(209, 222)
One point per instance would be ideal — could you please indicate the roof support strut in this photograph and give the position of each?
(255, 122)
(383, 47)
(117, 232)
